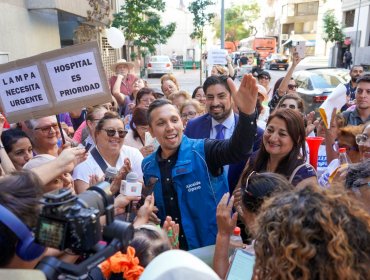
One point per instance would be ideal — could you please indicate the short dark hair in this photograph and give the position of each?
(216, 80)
(264, 73)
(364, 79)
(354, 66)
(20, 194)
(11, 136)
(156, 104)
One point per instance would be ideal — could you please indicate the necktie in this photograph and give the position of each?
(220, 131)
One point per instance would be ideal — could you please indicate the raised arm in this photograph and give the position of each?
(283, 88)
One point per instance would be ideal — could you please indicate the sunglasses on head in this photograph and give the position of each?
(111, 132)
(292, 87)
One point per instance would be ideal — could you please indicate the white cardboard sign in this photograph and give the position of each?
(22, 89)
(53, 82)
(74, 76)
(217, 56)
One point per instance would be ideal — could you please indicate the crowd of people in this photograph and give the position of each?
(208, 160)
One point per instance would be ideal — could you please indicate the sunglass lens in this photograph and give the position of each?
(122, 133)
(111, 132)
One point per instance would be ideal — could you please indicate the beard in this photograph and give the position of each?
(222, 115)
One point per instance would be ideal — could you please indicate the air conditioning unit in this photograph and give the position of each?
(284, 36)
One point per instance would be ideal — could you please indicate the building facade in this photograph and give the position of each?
(356, 22)
(31, 27)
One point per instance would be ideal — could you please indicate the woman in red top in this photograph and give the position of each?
(121, 84)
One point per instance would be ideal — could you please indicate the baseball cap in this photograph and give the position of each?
(264, 73)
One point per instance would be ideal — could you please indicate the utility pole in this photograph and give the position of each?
(222, 24)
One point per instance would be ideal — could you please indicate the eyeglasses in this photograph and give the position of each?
(47, 129)
(291, 87)
(190, 114)
(247, 183)
(290, 106)
(361, 139)
(112, 132)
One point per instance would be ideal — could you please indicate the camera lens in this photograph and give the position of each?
(98, 197)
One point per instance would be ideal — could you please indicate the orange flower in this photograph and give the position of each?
(127, 263)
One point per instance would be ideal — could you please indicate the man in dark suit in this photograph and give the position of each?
(219, 122)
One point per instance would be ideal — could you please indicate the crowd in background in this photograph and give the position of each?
(220, 156)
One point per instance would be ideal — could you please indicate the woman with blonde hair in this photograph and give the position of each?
(169, 84)
(179, 98)
(190, 110)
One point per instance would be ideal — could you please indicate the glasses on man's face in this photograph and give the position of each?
(290, 106)
(188, 115)
(361, 139)
(47, 129)
(291, 87)
(112, 132)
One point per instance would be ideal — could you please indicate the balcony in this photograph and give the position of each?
(75, 7)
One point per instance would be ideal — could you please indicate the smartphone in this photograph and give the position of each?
(241, 266)
(87, 147)
(301, 48)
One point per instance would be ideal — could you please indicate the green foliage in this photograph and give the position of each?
(238, 22)
(332, 28)
(200, 17)
(141, 23)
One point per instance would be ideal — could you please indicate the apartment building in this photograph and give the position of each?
(30, 27)
(356, 22)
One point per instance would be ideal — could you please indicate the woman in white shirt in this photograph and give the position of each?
(109, 137)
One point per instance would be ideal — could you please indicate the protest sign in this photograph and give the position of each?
(217, 56)
(53, 82)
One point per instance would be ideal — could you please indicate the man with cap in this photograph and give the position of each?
(122, 82)
(264, 79)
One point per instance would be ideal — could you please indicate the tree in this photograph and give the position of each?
(141, 24)
(238, 22)
(200, 19)
(333, 31)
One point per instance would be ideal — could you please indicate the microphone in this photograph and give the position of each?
(110, 174)
(131, 187)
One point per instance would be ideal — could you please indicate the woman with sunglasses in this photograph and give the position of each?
(109, 137)
(285, 85)
(258, 187)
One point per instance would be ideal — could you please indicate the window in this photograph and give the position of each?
(349, 18)
(304, 9)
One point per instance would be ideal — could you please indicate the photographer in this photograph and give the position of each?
(19, 195)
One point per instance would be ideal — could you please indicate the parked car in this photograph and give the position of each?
(159, 65)
(314, 85)
(276, 61)
(313, 62)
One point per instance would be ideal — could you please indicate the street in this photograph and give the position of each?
(189, 79)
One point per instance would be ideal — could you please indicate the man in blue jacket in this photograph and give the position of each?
(220, 112)
(189, 173)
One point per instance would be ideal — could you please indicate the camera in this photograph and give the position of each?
(68, 221)
(72, 222)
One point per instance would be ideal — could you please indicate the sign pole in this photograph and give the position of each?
(60, 129)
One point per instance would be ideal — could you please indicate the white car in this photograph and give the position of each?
(159, 65)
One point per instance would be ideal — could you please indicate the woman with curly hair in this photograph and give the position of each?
(311, 233)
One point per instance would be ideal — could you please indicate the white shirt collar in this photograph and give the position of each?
(229, 122)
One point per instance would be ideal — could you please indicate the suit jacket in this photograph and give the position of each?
(200, 128)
